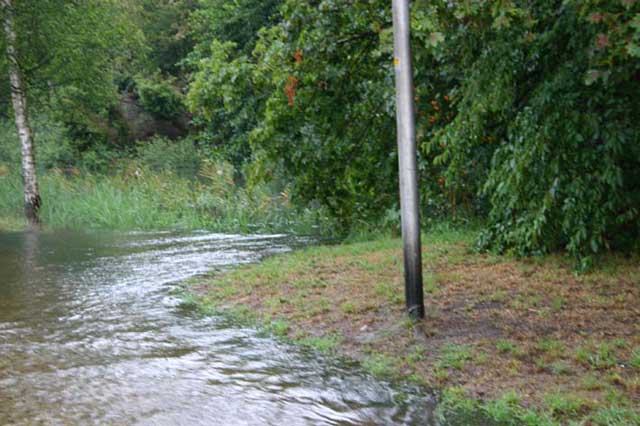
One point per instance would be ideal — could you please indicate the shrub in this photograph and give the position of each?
(53, 147)
(181, 157)
(160, 98)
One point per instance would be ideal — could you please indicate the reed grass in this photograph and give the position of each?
(137, 198)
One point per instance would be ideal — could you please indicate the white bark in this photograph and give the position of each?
(32, 200)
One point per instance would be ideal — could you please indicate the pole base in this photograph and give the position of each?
(416, 312)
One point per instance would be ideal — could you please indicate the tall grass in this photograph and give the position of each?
(137, 198)
(157, 185)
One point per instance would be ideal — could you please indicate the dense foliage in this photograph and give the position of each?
(70, 54)
(546, 104)
(528, 114)
(528, 111)
(225, 102)
(328, 119)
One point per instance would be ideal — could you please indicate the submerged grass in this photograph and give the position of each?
(495, 339)
(137, 198)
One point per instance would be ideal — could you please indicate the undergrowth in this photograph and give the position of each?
(136, 197)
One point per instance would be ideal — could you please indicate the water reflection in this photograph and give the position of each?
(91, 334)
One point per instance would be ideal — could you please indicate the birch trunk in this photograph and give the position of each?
(32, 199)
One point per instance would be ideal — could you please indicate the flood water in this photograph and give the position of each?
(91, 333)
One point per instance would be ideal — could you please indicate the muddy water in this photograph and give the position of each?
(92, 334)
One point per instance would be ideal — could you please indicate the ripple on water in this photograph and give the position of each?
(90, 334)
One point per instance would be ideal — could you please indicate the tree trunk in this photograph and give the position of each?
(32, 200)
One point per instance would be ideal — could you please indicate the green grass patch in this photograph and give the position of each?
(454, 356)
(635, 358)
(598, 356)
(552, 349)
(383, 366)
(137, 198)
(564, 405)
(323, 344)
(509, 347)
(455, 409)
(389, 292)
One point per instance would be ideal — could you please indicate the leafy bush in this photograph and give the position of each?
(545, 103)
(181, 157)
(329, 117)
(160, 98)
(528, 114)
(53, 148)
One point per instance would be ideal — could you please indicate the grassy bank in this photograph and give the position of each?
(11, 224)
(513, 342)
(135, 197)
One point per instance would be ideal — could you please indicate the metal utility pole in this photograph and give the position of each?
(408, 160)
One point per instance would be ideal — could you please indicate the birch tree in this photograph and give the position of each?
(63, 57)
(32, 199)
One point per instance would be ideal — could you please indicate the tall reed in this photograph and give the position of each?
(137, 198)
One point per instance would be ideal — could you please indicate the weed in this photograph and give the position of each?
(430, 284)
(454, 356)
(565, 404)
(408, 324)
(416, 356)
(559, 367)
(614, 397)
(632, 385)
(504, 408)
(582, 355)
(272, 304)
(441, 374)
(615, 416)
(456, 408)
(551, 348)
(634, 361)
(591, 383)
(508, 347)
(557, 303)
(616, 379)
(324, 305)
(389, 292)
(382, 366)
(620, 343)
(278, 328)
(324, 344)
(348, 307)
(513, 366)
(481, 358)
(499, 296)
(602, 357)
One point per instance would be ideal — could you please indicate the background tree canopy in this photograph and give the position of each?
(528, 114)
(70, 55)
(528, 111)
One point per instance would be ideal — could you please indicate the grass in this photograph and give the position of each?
(382, 366)
(454, 356)
(135, 198)
(10, 224)
(599, 356)
(513, 342)
(323, 344)
(635, 358)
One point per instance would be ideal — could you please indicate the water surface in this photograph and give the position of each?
(92, 334)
